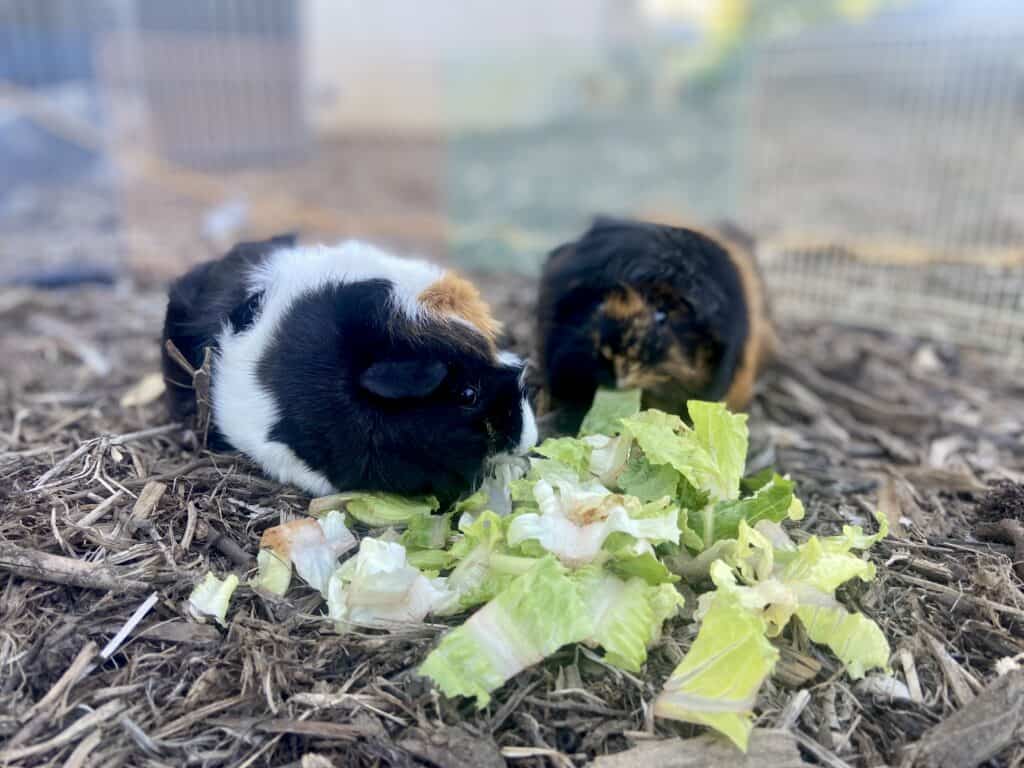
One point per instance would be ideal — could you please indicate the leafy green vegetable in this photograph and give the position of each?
(648, 481)
(380, 510)
(378, 585)
(570, 451)
(312, 546)
(716, 683)
(627, 614)
(645, 566)
(273, 573)
(211, 597)
(608, 457)
(773, 501)
(534, 616)
(724, 436)
(427, 531)
(484, 564)
(711, 456)
(575, 520)
(609, 408)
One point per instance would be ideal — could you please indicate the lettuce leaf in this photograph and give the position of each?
(312, 546)
(211, 597)
(569, 451)
(273, 573)
(378, 585)
(575, 519)
(627, 614)
(608, 409)
(708, 463)
(648, 481)
(608, 456)
(717, 682)
(772, 501)
(427, 531)
(484, 565)
(531, 618)
(376, 510)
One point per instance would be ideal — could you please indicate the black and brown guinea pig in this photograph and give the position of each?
(346, 368)
(676, 312)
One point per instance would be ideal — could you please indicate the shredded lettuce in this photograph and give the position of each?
(608, 409)
(312, 546)
(273, 573)
(427, 531)
(211, 597)
(575, 519)
(378, 585)
(608, 457)
(648, 481)
(569, 451)
(531, 618)
(627, 614)
(376, 510)
(484, 565)
(717, 682)
(772, 501)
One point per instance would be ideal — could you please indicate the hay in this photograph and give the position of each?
(110, 515)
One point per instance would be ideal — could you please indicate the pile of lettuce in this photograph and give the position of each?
(587, 545)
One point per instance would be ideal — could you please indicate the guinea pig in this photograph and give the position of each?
(346, 368)
(675, 312)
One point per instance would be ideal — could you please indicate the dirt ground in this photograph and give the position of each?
(106, 509)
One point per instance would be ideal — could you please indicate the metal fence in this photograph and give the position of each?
(882, 165)
(888, 174)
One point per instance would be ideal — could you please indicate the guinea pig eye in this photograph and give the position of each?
(660, 317)
(468, 396)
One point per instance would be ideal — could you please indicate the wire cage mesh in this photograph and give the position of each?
(880, 164)
(888, 168)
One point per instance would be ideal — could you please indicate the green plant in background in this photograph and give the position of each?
(729, 27)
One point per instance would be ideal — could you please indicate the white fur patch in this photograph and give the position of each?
(245, 412)
(528, 433)
(528, 436)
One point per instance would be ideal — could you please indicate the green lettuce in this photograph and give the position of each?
(379, 585)
(576, 519)
(376, 510)
(608, 409)
(484, 564)
(627, 614)
(711, 459)
(717, 682)
(531, 618)
(772, 501)
(427, 531)
(568, 451)
(211, 597)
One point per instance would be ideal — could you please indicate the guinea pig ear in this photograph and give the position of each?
(396, 379)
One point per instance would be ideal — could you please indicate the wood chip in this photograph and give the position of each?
(977, 732)
(43, 566)
(767, 749)
(146, 390)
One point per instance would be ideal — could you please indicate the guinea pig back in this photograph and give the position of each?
(344, 368)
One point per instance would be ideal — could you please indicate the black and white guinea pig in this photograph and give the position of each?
(346, 368)
(676, 312)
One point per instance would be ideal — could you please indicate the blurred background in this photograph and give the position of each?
(875, 147)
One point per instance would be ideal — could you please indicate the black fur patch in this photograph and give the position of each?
(652, 259)
(427, 443)
(198, 304)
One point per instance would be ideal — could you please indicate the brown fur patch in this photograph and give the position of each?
(624, 304)
(762, 341)
(455, 295)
